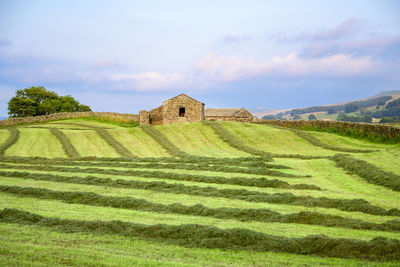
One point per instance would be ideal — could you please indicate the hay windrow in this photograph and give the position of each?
(68, 148)
(12, 139)
(377, 249)
(369, 172)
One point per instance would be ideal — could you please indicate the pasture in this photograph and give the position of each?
(83, 192)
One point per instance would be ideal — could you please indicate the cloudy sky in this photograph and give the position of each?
(125, 56)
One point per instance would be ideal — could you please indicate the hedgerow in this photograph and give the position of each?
(228, 138)
(369, 172)
(261, 215)
(12, 139)
(192, 235)
(163, 141)
(351, 205)
(68, 148)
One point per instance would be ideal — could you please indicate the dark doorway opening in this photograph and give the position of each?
(181, 112)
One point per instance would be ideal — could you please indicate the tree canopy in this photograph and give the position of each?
(36, 101)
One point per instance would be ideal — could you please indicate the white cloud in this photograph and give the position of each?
(219, 68)
(149, 81)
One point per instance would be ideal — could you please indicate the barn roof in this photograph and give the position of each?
(222, 112)
(184, 96)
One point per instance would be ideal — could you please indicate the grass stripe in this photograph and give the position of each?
(253, 182)
(163, 141)
(350, 205)
(228, 138)
(68, 148)
(12, 139)
(369, 172)
(317, 142)
(118, 147)
(259, 170)
(378, 249)
(259, 215)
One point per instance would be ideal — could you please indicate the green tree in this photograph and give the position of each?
(332, 111)
(312, 117)
(350, 107)
(36, 101)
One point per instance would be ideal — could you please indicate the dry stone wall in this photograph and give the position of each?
(67, 115)
(389, 132)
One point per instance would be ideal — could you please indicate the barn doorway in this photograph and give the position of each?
(181, 112)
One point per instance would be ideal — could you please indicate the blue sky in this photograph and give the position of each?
(125, 56)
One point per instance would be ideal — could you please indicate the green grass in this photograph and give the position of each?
(89, 143)
(20, 245)
(138, 143)
(198, 139)
(273, 140)
(36, 142)
(4, 134)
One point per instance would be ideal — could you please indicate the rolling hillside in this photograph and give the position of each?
(80, 192)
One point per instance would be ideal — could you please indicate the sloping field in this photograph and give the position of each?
(132, 203)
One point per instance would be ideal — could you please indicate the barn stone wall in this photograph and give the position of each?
(229, 118)
(144, 118)
(194, 110)
(67, 115)
(156, 116)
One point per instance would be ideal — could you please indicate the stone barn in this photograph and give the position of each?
(228, 114)
(183, 108)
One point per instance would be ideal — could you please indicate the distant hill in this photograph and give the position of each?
(355, 109)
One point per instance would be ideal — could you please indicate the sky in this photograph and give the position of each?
(125, 56)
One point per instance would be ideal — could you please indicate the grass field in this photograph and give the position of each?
(124, 200)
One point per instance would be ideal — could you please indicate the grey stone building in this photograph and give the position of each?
(183, 108)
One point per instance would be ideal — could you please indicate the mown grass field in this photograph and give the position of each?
(80, 192)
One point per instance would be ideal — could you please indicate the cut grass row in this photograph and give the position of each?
(68, 148)
(351, 205)
(22, 247)
(12, 139)
(183, 166)
(232, 141)
(378, 249)
(262, 215)
(119, 148)
(252, 182)
(163, 141)
(371, 173)
(317, 142)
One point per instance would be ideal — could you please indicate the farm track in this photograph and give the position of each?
(179, 200)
